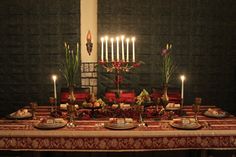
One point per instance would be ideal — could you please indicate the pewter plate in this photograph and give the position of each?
(120, 126)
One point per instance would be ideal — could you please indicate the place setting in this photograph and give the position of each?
(191, 123)
(50, 123)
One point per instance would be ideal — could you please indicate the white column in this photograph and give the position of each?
(88, 21)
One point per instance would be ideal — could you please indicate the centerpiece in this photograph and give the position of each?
(69, 70)
(120, 61)
(168, 68)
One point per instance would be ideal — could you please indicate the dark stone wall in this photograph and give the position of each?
(203, 36)
(32, 39)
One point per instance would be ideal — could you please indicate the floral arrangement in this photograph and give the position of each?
(69, 68)
(168, 65)
(143, 97)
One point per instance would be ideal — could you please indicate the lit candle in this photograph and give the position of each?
(117, 47)
(182, 77)
(127, 53)
(54, 77)
(133, 44)
(112, 50)
(102, 47)
(106, 40)
(122, 47)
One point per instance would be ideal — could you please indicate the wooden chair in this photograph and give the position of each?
(81, 94)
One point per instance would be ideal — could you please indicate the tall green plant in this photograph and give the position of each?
(168, 64)
(69, 68)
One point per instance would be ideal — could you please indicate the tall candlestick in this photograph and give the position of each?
(122, 47)
(182, 77)
(117, 47)
(133, 44)
(112, 50)
(127, 53)
(106, 40)
(54, 77)
(102, 48)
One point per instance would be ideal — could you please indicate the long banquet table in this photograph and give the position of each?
(90, 135)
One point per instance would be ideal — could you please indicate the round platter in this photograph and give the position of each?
(190, 126)
(218, 115)
(15, 116)
(120, 126)
(48, 126)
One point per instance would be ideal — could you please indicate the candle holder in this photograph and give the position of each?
(118, 67)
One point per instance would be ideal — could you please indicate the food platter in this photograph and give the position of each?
(173, 107)
(185, 126)
(14, 115)
(48, 126)
(120, 126)
(216, 114)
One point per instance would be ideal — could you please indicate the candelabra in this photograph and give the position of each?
(122, 63)
(118, 67)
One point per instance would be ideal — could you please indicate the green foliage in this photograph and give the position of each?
(69, 68)
(168, 64)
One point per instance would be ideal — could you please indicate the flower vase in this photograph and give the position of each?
(165, 98)
(71, 110)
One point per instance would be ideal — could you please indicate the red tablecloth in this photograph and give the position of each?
(89, 135)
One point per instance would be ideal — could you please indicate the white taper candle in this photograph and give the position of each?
(102, 49)
(182, 77)
(54, 77)
(133, 44)
(112, 50)
(117, 47)
(123, 47)
(127, 53)
(106, 40)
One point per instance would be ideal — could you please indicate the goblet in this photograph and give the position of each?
(33, 106)
(52, 103)
(71, 110)
(196, 106)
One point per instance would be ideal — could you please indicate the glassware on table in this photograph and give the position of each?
(33, 106)
(71, 110)
(52, 103)
(196, 106)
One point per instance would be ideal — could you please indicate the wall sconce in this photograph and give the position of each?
(89, 43)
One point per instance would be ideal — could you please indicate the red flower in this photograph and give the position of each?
(164, 52)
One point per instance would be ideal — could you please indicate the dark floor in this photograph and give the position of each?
(186, 153)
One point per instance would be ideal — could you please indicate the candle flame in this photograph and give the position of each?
(122, 37)
(127, 40)
(102, 39)
(54, 77)
(182, 77)
(106, 37)
(133, 39)
(117, 38)
(112, 39)
(89, 35)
